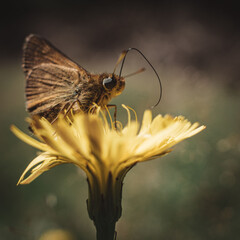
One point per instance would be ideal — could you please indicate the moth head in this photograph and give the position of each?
(113, 84)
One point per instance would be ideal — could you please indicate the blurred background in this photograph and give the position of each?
(192, 193)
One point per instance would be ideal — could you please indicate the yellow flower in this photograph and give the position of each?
(104, 154)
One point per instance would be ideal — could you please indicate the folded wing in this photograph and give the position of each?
(37, 50)
(50, 86)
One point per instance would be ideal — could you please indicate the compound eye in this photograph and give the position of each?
(109, 83)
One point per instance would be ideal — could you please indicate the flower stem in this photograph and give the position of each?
(105, 231)
(104, 204)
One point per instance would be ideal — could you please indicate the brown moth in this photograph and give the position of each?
(54, 83)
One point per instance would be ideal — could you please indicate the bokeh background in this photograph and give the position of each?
(192, 193)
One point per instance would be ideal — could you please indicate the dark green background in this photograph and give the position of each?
(192, 193)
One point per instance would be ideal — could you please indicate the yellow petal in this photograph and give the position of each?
(93, 144)
(42, 163)
(29, 140)
(146, 122)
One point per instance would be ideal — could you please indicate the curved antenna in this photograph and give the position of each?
(120, 58)
(123, 57)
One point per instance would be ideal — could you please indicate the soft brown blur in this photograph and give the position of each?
(192, 193)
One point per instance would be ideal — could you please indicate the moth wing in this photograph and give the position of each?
(37, 50)
(49, 86)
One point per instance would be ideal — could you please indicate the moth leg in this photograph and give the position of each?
(79, 105)
(69, 108)
(115, 113)
(62, 108)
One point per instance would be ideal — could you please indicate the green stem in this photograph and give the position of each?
(105, 231)
(104, 204)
